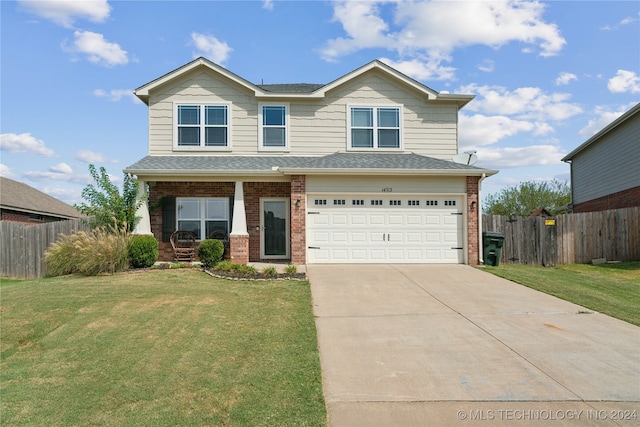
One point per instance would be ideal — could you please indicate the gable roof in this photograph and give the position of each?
(634, 111)
(311, 91)
(342, 163)
(18, 196)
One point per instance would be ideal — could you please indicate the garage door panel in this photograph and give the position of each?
(392, 229)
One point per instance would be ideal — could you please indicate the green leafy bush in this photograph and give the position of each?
(246, 269)
(143, 251)
(225, 265)
(291, 269)
(270, 271)
(210, 252)
(103, 250)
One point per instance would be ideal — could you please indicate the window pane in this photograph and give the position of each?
(189, 136)
(388, 138)
(388, 117)
(188, 208)
(273, 115)
(215, 115)
(216, 225)
(192, 226)
(274, 137)
(216, 209)
(362, 138)
(188, 115)
(362, 117)
(215, 137)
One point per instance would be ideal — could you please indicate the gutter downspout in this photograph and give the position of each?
(480, 242)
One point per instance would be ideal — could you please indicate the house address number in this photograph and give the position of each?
(387, 190)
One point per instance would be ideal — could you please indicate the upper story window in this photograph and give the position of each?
(202, 126)
(374, 128)
(274, 133)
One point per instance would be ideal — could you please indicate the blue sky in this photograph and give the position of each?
(546, 75)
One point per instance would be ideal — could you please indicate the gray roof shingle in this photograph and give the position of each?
(336, 161)
(18, 196)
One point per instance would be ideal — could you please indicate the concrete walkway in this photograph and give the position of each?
(421, 345)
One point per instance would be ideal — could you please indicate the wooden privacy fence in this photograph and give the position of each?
(574, 238)
(23, 246)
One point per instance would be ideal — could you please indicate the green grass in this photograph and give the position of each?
(173, 347)
(612, 289)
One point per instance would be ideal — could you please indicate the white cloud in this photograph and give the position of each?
(24, 143)
(422, 70)
(267, 4)
(479, 130)
(604, 116)
(624, 81)
(487, 66)
(436, 28)
(530, 103)
(116, 94)
(6, 171)
(626, 21)
(97, 49)
(61, 168)
(565, 78)
(93, 157)
(210, 47)
(65, 12)
(516, 157)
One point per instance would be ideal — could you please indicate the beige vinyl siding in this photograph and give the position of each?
(609, 165)
(392, 185)
(316, 126)
(203, 87)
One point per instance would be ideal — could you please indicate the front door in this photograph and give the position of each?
(274, 226)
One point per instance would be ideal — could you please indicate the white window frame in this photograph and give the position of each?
(261, 126)
(202, 126)
(375, 128)
(202, 214)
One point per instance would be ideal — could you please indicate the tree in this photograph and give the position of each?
(528, 196)
(105, 205)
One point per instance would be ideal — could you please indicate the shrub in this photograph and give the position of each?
(103, 250)
(269, 271)
(143, 251)
(291, 269)
(225, 266)
(210, 252)
(246, 269)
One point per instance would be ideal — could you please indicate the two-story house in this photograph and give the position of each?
(358, 170)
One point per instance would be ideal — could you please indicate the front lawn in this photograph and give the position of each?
(162, 348)
(612, 289)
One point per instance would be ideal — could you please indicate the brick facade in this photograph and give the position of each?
(253, 191)
(298, 219)
(623, 199)
(473, 206)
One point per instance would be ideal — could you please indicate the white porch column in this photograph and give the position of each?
(143, 225)
(239, 227)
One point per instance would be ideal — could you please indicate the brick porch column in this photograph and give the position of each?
(473, 211)
(298, 219)
(239, 237)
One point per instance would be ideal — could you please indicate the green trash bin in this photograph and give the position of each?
(492, 247)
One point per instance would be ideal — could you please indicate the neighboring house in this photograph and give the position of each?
(605, 170)
(22, 203)
(355, 171)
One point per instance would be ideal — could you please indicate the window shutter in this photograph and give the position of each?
(168, 217)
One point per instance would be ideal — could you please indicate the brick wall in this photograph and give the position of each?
(623, 199)
(158, 190)
(298, 219)
(253, 191)
(473, 205)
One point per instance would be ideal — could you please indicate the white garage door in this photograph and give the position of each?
(389, 229)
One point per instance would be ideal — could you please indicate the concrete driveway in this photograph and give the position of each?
(421, 345)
